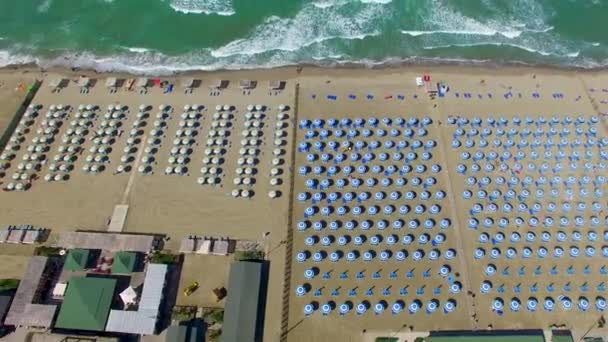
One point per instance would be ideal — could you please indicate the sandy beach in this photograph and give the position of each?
(176, 205)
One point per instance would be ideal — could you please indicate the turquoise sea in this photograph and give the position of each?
(164, 36)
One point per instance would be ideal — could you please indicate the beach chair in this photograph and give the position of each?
(84, 83)
(57, 84)
(188, 85)
(142, 84)
(111, 84)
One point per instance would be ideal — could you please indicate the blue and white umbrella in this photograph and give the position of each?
(490, 270)
(583, 304)
(449, 306)
(455, 287)
(414, 306)
(450, 254)
(600, 303)
(309, 309)
(549, 304)
(444, 270)
(380, 307)
(311, 240)
(515, 304)
(486, 286)
(302, 290)
(362, 307)
(311, 273)
(345, 308)
(385, 255)
(532, 304)
(498, 304)
(400, 255)
(566, 303)
(302, 256)
(335, 256)
(319, 256)
(327, 308)
(432, 306)
(407, 239)
(368, 255)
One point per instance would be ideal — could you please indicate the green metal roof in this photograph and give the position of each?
(176, 333)
(87, 303)
(241, 321)
(76, 260)
(562, 338)
(124, 262)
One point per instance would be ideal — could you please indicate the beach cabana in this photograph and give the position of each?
(77, 260)
(4, 233)
(219, 84)
(276, 85)
(188, 244)
(31, 236)
(220, 247)
(247, 84)
(58, 83)
(111, 82)
(142, 82)
(204, 247)
(84, 82)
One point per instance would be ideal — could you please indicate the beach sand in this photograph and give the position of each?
(178, 206)
(12, 92)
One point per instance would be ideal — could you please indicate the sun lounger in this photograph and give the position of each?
(4, 233)
(31, 236)
(204, 247)
(219, 84)
(276, 85)
(16, 236)
(247, 84)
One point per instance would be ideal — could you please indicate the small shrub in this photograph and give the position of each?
(9, 284)
(214, 335)
(47, 251)
(164, 258)
(249, 255)
(217, 316)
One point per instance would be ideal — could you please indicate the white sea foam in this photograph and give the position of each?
(155, 63)
(44, 6)
(485, 32)
(310, 26)
(446, 19)
(573, 54)
(8, 58)
(136, 49)
(337, 3)
(219, 7)
(384, 2)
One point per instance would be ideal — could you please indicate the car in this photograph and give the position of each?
(190, 289)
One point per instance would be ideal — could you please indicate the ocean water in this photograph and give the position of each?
(164, 36)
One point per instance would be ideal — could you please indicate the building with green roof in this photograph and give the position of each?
(124, 262)
(87, 304)
(245, 304)
(77, 259)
